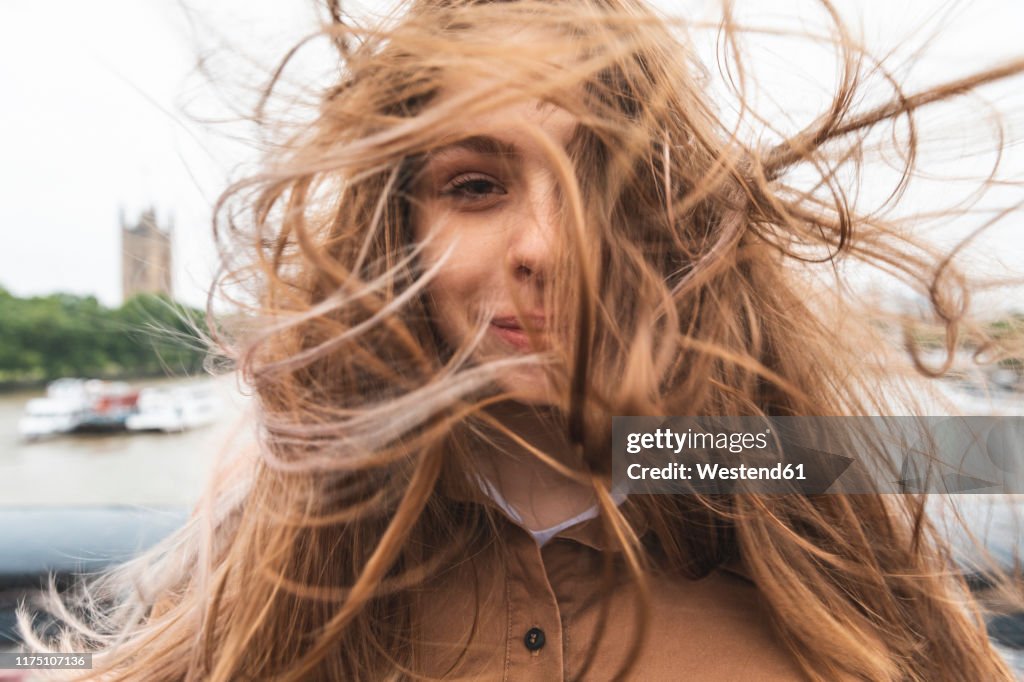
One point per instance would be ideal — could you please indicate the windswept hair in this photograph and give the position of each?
(685, 269)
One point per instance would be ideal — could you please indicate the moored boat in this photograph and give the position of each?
(174, 409)
(73, 404)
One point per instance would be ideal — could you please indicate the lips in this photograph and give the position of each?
(510, 329)
(535, 322)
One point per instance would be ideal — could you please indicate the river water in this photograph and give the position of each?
(148, 469)
(168, 470)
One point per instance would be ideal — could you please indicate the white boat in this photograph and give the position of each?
(175, 409)
(78, 405)
(50, 416)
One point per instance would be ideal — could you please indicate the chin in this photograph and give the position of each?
(529, 386)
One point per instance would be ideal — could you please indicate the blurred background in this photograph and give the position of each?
(124, 121)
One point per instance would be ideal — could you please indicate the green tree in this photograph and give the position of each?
(47, 337)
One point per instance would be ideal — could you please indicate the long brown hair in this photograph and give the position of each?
(688, 255)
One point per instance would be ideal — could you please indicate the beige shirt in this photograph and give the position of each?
(539, 612)
(538, 615)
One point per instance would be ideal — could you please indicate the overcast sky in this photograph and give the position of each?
(98, 101)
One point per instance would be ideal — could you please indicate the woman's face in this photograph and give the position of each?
(490, 200)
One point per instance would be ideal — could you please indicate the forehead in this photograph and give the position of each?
(522, 128)
(528, 85)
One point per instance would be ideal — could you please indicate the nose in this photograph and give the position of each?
(533, 237)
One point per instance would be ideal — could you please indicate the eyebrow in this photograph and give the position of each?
(480, 144)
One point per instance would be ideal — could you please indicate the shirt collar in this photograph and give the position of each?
(588, 532)
(585, 528)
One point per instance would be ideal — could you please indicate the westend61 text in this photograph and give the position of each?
(717, 472)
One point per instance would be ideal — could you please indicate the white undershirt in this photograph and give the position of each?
(542, 536)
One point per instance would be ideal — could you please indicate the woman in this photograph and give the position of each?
(507, 223)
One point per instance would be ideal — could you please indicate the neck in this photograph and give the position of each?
(540, 494)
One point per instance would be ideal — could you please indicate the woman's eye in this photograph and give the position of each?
(473, 188)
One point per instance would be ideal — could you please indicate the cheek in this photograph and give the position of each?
(471, 246)
(449, 290)
(454, 303)
(462, 284)
(465, 283)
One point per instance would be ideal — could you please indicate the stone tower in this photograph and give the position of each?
(145, 256)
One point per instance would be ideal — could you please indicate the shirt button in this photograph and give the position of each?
(534, 639)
